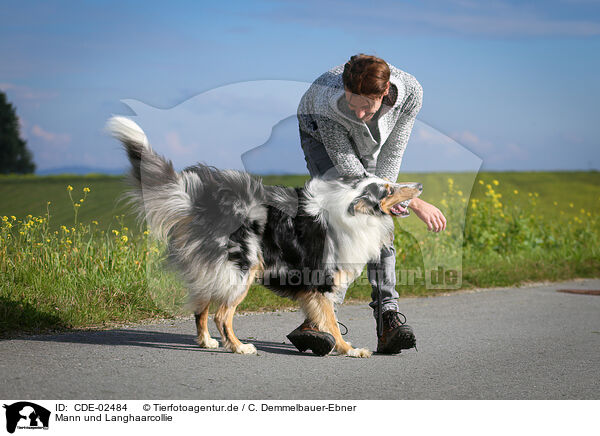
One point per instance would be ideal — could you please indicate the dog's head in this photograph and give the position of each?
(380, 197)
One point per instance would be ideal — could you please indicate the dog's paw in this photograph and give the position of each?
(210, 343)
(207, 342)
(359, 352)
(245, 349)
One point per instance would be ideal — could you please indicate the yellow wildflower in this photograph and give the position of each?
(496, 182)
(86, 189)
(69, 188)
(516, 192)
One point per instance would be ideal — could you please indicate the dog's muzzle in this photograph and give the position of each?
(401, 209)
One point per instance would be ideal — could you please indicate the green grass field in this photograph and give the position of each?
(503, 229)
(23, 195)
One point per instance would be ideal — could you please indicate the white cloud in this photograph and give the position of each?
(496, 18)
(430, 150)
(54, 138)
(22, 127)
(473, 142)
(491, 153)
(27, 92)
(515, 151)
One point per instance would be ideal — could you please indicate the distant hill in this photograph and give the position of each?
(79, 170)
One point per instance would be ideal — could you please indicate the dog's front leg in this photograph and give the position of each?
(342, 346)
(319, 311)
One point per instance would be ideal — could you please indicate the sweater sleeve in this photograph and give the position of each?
(390, 156)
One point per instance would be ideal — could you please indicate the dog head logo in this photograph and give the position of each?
(26, 415)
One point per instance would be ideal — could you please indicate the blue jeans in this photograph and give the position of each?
(381, 274)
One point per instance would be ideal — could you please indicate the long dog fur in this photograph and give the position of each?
(225, 229)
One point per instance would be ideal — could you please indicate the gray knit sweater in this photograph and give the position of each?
(353, 148)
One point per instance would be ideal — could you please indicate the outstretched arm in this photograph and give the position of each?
(429, 214)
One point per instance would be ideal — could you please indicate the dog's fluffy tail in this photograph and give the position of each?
(158, 193)
(134, 141)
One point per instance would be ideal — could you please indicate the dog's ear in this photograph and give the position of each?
(365, 204)
(352, 207)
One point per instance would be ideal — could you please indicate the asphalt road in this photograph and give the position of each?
(525, 343)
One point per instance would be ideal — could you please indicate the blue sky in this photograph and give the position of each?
(512, 83)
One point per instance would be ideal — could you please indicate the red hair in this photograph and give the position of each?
(366, 75)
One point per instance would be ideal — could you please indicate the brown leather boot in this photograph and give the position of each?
(396, 335)
(307, 336)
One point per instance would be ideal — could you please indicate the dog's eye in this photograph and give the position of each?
(388, 189)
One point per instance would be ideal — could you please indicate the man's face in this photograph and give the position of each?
(364, 107)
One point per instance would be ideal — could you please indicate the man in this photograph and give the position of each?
(355, 120)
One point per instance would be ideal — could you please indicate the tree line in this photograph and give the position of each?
(15, 157)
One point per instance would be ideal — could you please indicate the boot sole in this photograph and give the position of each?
(404, 339)
(320, 343)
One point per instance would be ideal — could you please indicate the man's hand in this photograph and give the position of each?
(429, 214)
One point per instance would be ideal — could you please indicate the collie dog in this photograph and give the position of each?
(225, 229)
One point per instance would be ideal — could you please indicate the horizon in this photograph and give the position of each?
(58, 172)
